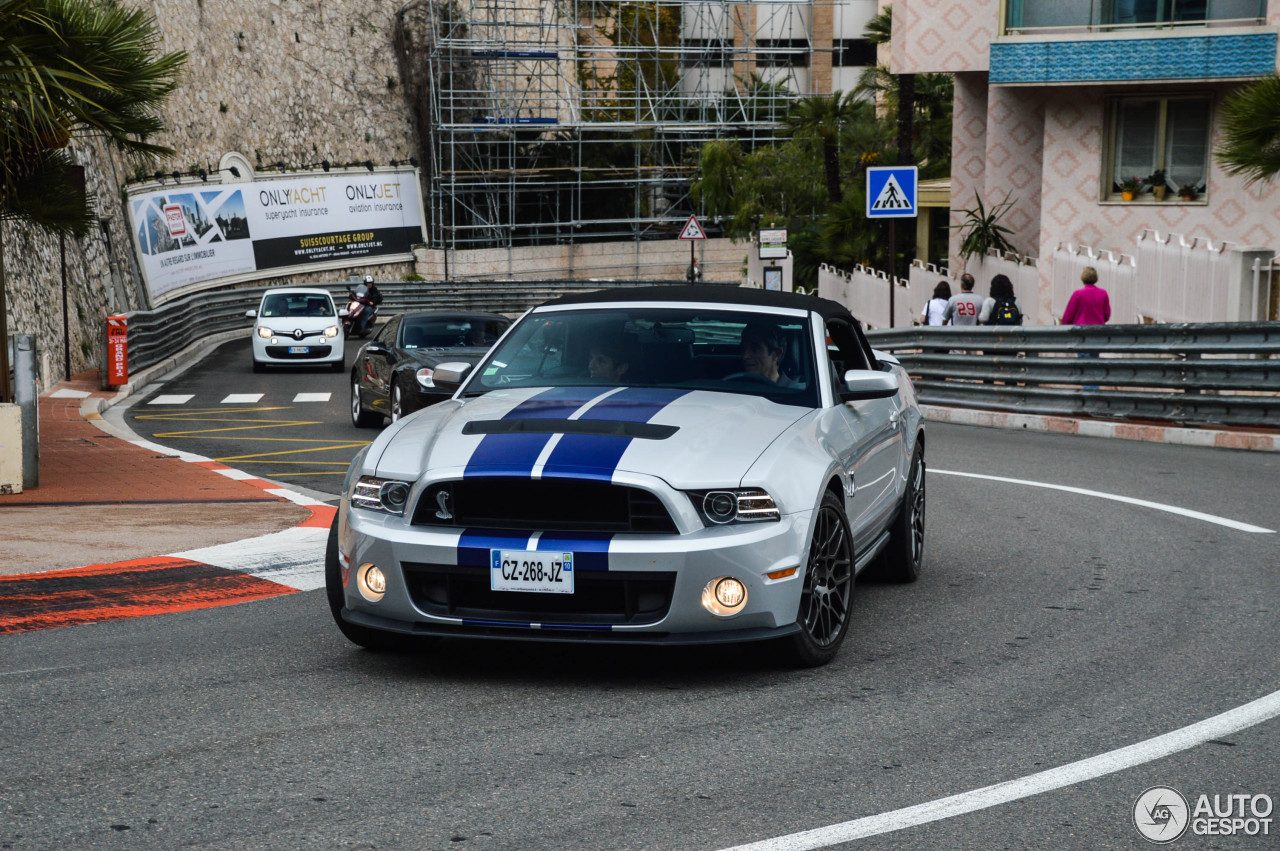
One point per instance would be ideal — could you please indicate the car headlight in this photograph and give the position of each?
(331, 331)
(385, 495)
(424, 377)
(735, 505)
(264, 332)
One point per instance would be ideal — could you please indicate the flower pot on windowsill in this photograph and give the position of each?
(1158, 192)
(1126, 195)
(1187, 195)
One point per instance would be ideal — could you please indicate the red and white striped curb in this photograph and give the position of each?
(1206, 437)
(293, 557)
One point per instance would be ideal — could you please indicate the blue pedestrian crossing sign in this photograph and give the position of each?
(891, 192)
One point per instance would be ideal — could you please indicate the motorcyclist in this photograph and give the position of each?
(368, 295)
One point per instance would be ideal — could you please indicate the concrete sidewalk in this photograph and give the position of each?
(104, 499)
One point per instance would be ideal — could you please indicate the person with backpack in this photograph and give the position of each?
(1001, 308)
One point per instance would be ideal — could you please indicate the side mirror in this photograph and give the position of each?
(375, 347)
(862, 384)
(451, 376)
(342, 313)
(251, 313)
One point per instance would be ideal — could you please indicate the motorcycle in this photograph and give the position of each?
(362, 309)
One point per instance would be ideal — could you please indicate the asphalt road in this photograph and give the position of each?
(308, 442)
(1048, 627)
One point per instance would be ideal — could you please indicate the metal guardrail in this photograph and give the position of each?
(1224, 373)
(157, 334)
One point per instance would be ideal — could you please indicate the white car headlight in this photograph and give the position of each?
(264, 332)
(331, 331)
(385, 495)
(424, 377)
(735, 505)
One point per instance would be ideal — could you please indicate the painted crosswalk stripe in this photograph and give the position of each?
(171, 400)
(312, 397)
(242, 398)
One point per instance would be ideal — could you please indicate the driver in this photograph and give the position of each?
(761, 349)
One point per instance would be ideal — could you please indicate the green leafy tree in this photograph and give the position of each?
(68, 69)
(1251, 131)
(824, 117)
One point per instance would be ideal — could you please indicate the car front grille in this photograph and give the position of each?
(556, 504)
(283, 352)
(599, 598)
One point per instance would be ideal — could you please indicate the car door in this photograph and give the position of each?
(875, 438)
(381, 357)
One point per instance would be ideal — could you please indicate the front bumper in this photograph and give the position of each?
(437, 582)
(319, 350)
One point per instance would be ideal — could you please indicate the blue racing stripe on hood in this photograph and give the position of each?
(515, 454)
(596, 456)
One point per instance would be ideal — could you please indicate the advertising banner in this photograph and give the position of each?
(204, 232)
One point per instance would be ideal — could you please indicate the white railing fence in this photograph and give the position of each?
(866, 293)
(1182, 281)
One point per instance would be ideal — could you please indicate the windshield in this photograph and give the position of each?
(451, 332)
(297, 304)
(716, 349)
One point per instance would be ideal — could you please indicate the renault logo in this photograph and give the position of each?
(297, 334)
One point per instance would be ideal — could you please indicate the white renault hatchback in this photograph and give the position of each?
(297, 326)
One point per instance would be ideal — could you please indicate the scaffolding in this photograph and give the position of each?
(562, 121)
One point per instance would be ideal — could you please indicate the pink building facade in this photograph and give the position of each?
(1058, 101)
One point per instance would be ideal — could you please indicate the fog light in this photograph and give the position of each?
(274, 341)
(724, 596)
(371, 581)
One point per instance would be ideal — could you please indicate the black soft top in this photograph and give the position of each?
(712, 294)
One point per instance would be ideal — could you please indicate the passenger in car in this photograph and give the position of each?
(611, 357)
(761, 349)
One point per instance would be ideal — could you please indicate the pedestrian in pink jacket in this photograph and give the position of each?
(1089, 305)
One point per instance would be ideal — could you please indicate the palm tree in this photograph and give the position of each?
(824, 116)
(1251, 131)
(72, 68)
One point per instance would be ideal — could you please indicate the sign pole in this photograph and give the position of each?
(893, 262)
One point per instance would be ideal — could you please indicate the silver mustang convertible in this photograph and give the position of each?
(658, 465)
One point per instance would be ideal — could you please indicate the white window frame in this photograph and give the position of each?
(1108, 194)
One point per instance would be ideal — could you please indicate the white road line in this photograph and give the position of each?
(68, 393)
(1159, 506)
(36, 670)
(312, 397)
(171, 400)
(1234, 720)
(242, 398)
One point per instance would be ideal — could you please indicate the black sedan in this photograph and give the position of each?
(391, 376)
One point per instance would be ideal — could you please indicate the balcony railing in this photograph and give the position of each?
(1064, 16)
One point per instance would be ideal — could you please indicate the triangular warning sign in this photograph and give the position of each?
(892, 197)
(692, 230)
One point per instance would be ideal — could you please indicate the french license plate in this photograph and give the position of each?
(299, 350)
(530, 570)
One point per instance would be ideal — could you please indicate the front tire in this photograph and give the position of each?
(904, 555)
(259, 366)
(825, 600)
(397, 402)
(360, 418)
(370, 639)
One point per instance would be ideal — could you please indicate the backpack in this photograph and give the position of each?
(1005, 312)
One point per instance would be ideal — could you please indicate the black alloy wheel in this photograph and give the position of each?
(397, 402)
(360, 418)
(904, 556)
(825, 600)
